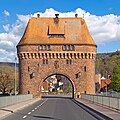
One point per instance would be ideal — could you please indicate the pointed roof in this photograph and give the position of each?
(56, 31)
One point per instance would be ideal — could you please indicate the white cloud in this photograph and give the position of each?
(102, 28)
(6, 13)
(6, 27)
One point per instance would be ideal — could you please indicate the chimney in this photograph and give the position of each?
(38, 15)
(76, 15)
(56, 15)
(56, 19)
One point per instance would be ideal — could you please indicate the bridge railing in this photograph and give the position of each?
(10, 100)
(112, 102)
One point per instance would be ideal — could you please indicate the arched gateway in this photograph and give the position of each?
(56, 46)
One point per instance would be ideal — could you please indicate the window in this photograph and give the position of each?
(45, 61)
(85, 69)
(68, 61)
(40, 47)
(64, 47)
(32, 75)
(44, 47)
(48, 47)
(68, 47)
(72, 47)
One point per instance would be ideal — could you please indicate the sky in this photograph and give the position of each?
(102, 18)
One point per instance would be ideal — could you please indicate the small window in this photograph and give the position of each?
(48, 47)
(46, 61)
(43, 61)
(67, 61)
(72, 47)
(68, 47)
(45, 47)
(64, 47)
(41, 47)
(85, 69)
(32, 75)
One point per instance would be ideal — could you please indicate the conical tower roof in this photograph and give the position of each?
(56, 31)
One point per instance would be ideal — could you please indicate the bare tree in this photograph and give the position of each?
(5, 83)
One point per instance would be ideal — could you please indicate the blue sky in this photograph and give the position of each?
(102, 18)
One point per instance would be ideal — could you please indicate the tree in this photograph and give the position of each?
(5, 83)
(115, 85)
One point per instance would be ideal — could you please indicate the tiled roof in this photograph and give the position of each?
(68, 31)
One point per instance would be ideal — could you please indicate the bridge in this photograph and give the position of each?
(62, 108)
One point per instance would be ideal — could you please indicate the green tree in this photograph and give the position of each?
(115, 85)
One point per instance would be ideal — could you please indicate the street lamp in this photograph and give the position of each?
(94, 76)
(15, 76)
(106, 83)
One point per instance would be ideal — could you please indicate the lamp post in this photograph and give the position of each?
(106, 83)
(15, 76)
(94, 76)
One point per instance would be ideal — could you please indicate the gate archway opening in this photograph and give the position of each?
(58, 85)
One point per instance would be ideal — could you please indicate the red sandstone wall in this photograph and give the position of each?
(41, 71)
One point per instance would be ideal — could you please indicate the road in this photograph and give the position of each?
(53, 109)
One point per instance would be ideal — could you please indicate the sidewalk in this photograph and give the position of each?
(112, 113)
(5, 111)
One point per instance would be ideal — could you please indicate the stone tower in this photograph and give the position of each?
(56, 46)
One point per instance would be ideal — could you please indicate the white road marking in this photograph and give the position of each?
(24, 116)
(35, 109)
(43, 102)
(29, 113)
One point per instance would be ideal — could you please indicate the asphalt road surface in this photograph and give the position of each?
(53, 109)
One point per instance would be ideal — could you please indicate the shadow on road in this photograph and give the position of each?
(54, 96)
(96, 114)
(45, 117)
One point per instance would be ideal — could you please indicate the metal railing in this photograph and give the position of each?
(112, 102)
(10, 100)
